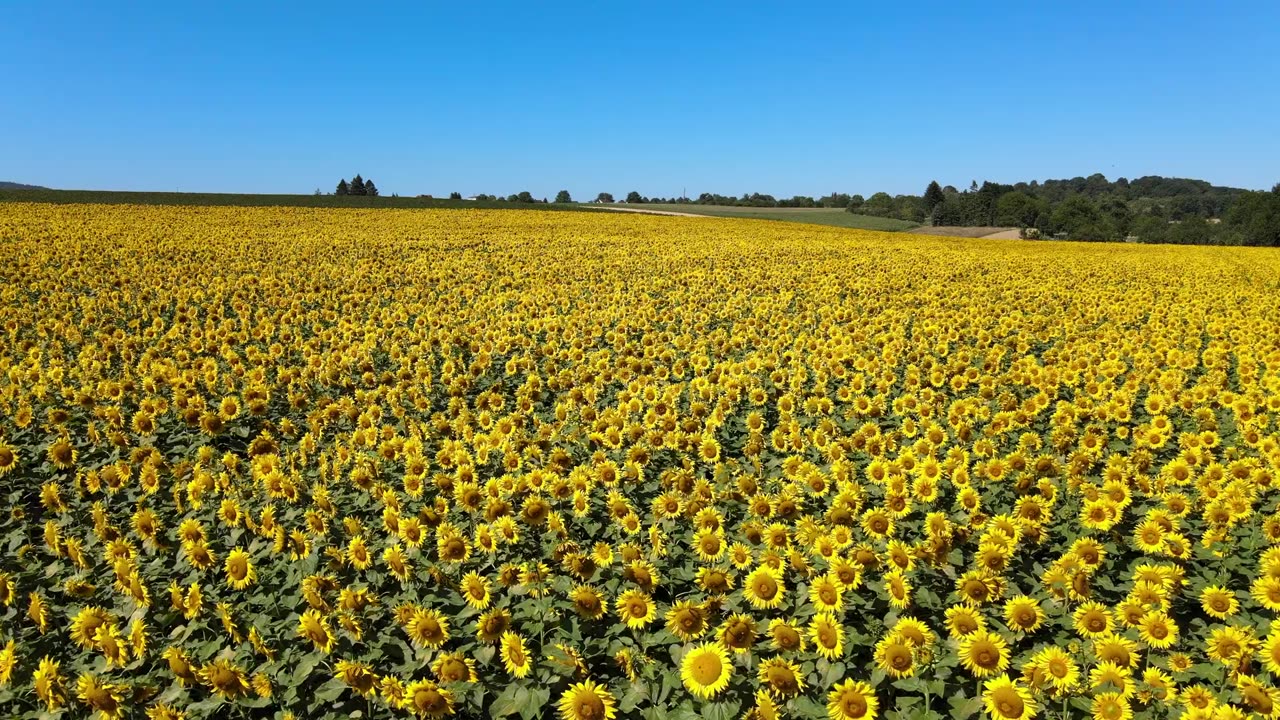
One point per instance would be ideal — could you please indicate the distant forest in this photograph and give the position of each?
(1150, 209)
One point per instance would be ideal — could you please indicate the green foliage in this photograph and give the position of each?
(106, 197)
(1256, 216)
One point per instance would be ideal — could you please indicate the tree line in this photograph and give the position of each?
(1150, 209)
(358, 186)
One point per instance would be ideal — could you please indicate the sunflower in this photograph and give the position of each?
(1229, 645)
(86, 623)
(38, 611)
(394, 556)
(763, 588)
(1007, 700)
(687, 620)
(898, 588)
(514, 656)
(636, 609)
(914, 632)
(877, 523)
(1109, 673)
(737, 633)
(586, 700)
(587, 601)
(62, 454)
(827, 635)
(1092, 620)
(1110, 706)
(782, 678)
(1023, 614)
(1266, 591)
(357, 675)
(312, 626)
(827, 593)
(226, 678)
(1219, 602)
(1269, 652)
(106, 698)
(427, 628)
(108, 640)
(357, 554)
(8, 659)
(895, 656)
(709, 544)
(492, 624)
(977, 588)
(8, 458)
(240, 571)
(454, 668)
(984, 653)
(963, 620)
(1261, 699)
(1158, 630)
(850, 700)
(427, 700)
(1117, 649)
(714, 580)
(475, 590)
(1061, 671)
(705, 670)
(48, 684)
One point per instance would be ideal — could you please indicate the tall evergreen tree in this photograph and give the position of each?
(342, 188)
(357, 185)
(370, 189)
(933, 197)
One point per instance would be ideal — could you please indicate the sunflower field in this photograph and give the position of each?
(308, 463)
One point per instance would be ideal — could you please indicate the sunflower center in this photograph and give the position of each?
(853, 704)
(588, 706)
(765, 587)
(428, 700)
(783, 680)
(1008, 703)
(706, 668)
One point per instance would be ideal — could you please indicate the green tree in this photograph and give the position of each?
(370, 189)
(1256, 216)
(933, 197)
(880, 204)
(524, 196)
(1150, 229)
(357, 185)
(635, 197)
(563, 197)
(343, 189)
(604, 197)
(1080, 219)
(1018, 209)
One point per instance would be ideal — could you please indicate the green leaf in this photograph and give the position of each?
(538, 697)
(721, 710)
(509, 702)
(963, 708)
(330, 691)
(636, 693)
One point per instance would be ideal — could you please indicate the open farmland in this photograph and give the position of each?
(270, 462)
(837, 217)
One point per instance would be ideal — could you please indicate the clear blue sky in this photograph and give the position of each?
(784, 98)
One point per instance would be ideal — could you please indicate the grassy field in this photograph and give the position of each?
(108, 197)
(816, 216)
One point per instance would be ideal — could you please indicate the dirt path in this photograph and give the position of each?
(650, 212)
